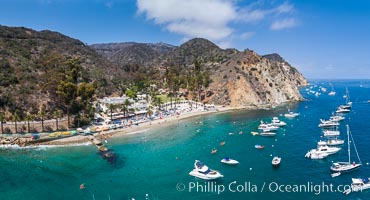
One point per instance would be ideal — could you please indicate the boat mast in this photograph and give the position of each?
(349, 147)
(354, 145)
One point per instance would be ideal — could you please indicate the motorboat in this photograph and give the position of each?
(347, 166)
(266, 132)
(327, 124)
(276, 161)
(316, 155)
(229, 161)
(291, 114)
(342, 110)
(276, 122)
(334, 142)
(258, 146)
(330, 133)
(265, 126)
(337, 118)
(358, 185)
(214, 150)
(321, 151)
(203, 172)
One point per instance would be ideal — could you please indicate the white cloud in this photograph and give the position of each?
(217, 20)
(192, 18)
(285, 8)
(247, 35)
(284, 24)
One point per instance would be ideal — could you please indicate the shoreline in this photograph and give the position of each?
(134, 129)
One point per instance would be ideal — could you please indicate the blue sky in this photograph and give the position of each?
(322, 38)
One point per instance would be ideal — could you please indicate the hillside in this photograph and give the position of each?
(47, 72)
(32, 64)
(235, 78)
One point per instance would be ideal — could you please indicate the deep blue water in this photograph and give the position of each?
(157, 161)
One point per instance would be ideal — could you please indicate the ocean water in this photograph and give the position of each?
(155, 164)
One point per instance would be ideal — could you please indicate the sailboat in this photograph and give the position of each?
(348, 104)
(332, 92)
(347, 166)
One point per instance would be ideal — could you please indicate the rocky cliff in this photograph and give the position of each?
(242, 79)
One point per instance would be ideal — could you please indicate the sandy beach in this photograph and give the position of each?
(150, 125)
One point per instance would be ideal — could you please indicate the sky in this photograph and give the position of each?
(323, 39)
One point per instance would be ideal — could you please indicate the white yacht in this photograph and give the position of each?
(265, 126)
(342, 110)
(276, 122)
(347, 166)
(203, 172)
(359, 185)
(321, 151)
(337, 118)
(291, 114)
(329, 133)
(327, 124)
(276, 161)
(334, 142)
(229, 161)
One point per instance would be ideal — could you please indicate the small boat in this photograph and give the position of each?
(276, 122)
(257, 146)
(254, 133)
(214, 151)
(203, 172)
(222, 143)
(335, 174)
(291, 114)
(267, 133)
(229, 161)
(276, 161)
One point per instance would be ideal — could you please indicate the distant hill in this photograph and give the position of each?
(132, 52)
(238, 78)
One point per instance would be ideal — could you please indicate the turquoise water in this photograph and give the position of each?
(157, 161)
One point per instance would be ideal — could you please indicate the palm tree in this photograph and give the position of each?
(111, 107)
(149, 112)
(15, 118)
(42, 114)
(1, 121)
(56, 115)
(127, 103)
(28, 118)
